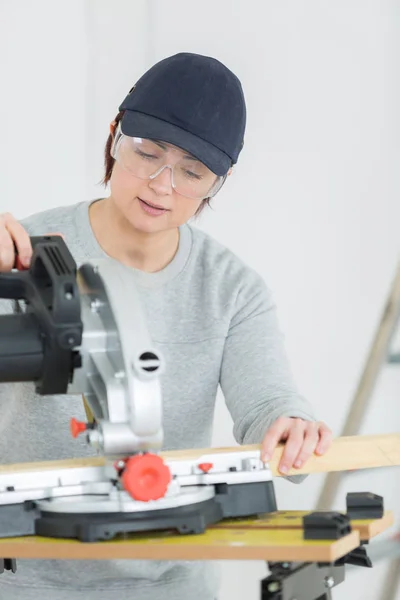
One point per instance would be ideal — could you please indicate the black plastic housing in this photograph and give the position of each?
(40, 344)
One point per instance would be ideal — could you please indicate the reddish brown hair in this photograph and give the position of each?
(109, 163)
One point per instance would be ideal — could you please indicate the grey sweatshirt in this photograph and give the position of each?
(214, 320)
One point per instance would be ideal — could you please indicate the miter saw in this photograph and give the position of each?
(83, 331)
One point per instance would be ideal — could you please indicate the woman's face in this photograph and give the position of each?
(152, 205)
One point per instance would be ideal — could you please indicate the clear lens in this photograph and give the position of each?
(146, 159)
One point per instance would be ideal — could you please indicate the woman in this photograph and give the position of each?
(175, 140)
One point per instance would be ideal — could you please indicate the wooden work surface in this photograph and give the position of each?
(346, 453)
(293, 519)
(276, 537)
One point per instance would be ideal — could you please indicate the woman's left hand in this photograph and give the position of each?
(303, 438)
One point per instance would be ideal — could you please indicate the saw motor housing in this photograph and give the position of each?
(83, 331)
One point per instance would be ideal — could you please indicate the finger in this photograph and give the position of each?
(275, 433)
(7, 253)
(21, 239)
(293, 445)
(311, 439)
(24, 256)
(325, 439)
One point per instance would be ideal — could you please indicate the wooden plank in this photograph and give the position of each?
(214, 544)
(293, 519)
(345, 453)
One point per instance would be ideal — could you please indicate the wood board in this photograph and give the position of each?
(214, 544)
(346, 453)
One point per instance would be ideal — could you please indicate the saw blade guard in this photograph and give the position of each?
(121, 369)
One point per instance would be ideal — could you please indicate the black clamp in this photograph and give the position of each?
(325, 525)
(364, 505)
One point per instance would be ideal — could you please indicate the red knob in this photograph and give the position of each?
(146, 477)
(77, 427)
(205, 467)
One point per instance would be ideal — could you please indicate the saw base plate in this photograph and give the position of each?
(98, 518)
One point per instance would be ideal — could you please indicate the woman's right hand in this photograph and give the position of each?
(13, 235)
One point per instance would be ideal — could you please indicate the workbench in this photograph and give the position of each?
(310, 568)
(276, 537)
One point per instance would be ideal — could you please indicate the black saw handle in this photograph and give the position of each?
(39, 344)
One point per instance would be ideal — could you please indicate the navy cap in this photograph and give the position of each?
(193, 102)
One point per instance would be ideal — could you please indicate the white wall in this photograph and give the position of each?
(43, 93)
(313, 204)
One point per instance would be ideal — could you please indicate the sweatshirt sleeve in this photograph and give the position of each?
(256, 379)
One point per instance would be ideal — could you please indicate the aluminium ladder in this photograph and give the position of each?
(380, 354)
